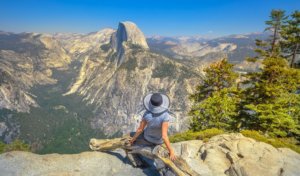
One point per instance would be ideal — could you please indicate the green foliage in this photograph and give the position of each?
(105, 47)
(216, 100)
(274, 25)
(135, 46)
(270, 103)
(271, 99)
(130, 64)
(285, 38)
(251, 59)
(16, 145)
(218, 110)
(2, 147)
(135, 49)
(72, 140)
(201, 135)
(218, 75)
(61, 130)
(165, 69)
(271, 48)
(290, 43)
(276, 142)
(185, 73)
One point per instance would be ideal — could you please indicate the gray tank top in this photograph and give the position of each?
(153, 132)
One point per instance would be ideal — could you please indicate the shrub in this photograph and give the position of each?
(16, 145)
(276, 142)
(2, 147)
(165, 69)
(105, 47)
(130, 64)
(208, 133)
(201, 135)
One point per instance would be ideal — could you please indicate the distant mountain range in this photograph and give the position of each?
(70, 87)
(235, 47)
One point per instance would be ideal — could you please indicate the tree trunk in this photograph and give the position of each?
(274, 41)
(179, 167)
(294, 55)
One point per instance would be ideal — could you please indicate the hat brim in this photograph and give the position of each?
(156, 109)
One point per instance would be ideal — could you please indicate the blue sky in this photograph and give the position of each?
(154, 17)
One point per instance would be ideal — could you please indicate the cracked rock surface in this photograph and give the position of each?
(226, 154)
(236, 155)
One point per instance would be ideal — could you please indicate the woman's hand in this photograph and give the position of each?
(131, 140)
(172, 155)
(138, 131)
(165, 137)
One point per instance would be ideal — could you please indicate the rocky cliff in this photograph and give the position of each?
(26, 60)
(127, 33)
(227, 154)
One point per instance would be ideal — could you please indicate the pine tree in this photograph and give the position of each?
(271, 103)
(271, 47)
(216, 100)
(275, 24)
(291, 38)
(218, 75)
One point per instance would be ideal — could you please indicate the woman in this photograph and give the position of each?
(153, 129)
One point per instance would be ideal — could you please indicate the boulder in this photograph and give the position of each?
(236, 155)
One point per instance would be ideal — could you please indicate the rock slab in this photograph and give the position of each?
(236, 155)
(19, 163)
(226, 154)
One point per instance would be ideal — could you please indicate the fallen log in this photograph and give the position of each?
(179, 167)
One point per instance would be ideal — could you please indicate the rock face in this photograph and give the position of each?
(26, 60)
(227, 154)
(117, 77)
(117, 91)
(127, 34)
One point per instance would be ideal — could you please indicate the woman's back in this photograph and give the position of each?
(153, 131)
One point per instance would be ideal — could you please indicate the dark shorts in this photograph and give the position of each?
(141, 141)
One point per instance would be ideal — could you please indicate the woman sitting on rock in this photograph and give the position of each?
(153, 129)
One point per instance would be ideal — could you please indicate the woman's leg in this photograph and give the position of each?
(135, 159)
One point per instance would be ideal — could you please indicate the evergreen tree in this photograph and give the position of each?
(216, 100)
(291, 38)
(271, 103)
(271, 47)
(218, 75)
(275, 24)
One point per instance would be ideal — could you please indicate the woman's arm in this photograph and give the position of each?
(139, 131)
(165, 126)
